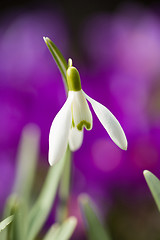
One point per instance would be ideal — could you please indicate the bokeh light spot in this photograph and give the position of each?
(106, 155)
(144, 153)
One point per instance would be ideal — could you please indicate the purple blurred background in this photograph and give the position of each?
(116, 48)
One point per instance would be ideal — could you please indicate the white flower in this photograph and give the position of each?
(67, 126)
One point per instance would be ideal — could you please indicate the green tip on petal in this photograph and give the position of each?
(73, 78)
(84, 123)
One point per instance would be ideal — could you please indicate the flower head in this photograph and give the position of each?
(67, 126)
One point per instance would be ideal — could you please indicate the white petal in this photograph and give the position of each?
(110, 123)
(81, 113)
(59, 132)
(75, 139)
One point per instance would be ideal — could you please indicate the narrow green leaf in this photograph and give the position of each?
(154, 186)
(43, 205)
(16, 207)
(64, 189)
(6, 222)
(10, 209)
(62, 231)
(19, 225)
(18, 201)
(27, 161)
(94, 228)
(58, 57)
(53, 232)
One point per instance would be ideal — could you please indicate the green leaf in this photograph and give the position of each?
(154, 186)
(53, 232)
(62, 231)
(6, 222)
(17, 207)
(19, 200)
(27, 162)
(10, 209)
(19, 225)
(94, 227)
(43, 205)
(64, 189)
(58, 57)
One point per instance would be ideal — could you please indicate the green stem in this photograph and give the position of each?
(64, 189)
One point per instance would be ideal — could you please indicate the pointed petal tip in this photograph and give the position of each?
(125, 146)
(50, 164)
(52, 161)
(146, 172)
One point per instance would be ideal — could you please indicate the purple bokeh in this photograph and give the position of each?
(31, 90)
(122, 71)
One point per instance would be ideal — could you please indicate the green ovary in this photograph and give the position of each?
(84, 123)
(73, 79)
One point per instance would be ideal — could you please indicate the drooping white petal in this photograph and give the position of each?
(75, 139)
(81, 113)
(109, 122)
(59, 132)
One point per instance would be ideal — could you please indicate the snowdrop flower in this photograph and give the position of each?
(67, 126)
